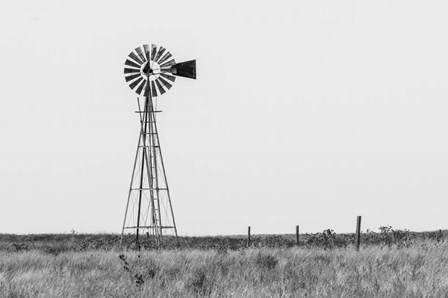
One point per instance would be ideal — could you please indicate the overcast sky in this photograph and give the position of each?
(303, 113)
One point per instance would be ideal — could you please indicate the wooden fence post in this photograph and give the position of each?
(248, 236)
(297, 234)
(358, 232)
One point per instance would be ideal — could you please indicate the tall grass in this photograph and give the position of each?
(376, 271)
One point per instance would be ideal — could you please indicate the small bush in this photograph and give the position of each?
(140, 269)
(55, 249)
(199, 283)
(266, 261)
(400, 238)
(18, 247)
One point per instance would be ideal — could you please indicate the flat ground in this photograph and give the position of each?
(416, 266)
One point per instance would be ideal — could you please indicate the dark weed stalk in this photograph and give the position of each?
(135, 276)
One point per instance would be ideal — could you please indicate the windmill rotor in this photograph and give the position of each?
(152, 70)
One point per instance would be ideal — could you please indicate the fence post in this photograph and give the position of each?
(248, 236)
(358, 232)
(297, 234)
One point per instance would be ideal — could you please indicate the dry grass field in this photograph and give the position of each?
(417, 268)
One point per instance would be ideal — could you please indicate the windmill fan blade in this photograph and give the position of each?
(185, 69)
(169, 77)
(133, 56)
(165, 82)
(153, 88)
(135, 83)
(169, 63)
(140, 53)
(132, 64)
(140, 88)
(160, 87)
(166, 57)
(153, 51)
(131, 70)
(131, 77)
(161, 51)
(146, 49)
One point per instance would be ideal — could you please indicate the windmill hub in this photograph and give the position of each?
(147, 69)
(150, 68)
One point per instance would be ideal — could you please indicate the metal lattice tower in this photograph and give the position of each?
(150, 72)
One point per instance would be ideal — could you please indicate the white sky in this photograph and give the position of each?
(304, 112)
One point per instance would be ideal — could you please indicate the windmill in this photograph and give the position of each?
(150, 72)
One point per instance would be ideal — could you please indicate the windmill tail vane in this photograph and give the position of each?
(150, 71)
